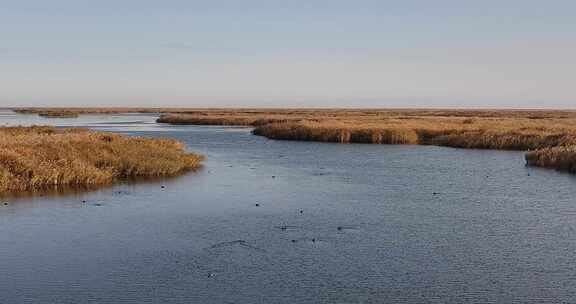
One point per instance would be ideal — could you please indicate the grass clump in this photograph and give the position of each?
(40, 158)
(315, 131)
(559, 158)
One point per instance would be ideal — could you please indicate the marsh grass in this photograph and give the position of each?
(314, 131)
(222, 120)
(37, 158)
(523, 130)
(501, 130)
(58, 114)
(501, 135)
(560, 158)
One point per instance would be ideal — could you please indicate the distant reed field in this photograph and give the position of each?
(549, 135)
(58, 114)
(39, 158)
(523, 130)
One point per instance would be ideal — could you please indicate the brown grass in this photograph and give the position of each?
(79, 111)
(478, 129)
(307, 113)
(221, 120)
(326, 132)
(58, 114)
(498, 135)
(560, 158)
(39, 158)
(525, 130)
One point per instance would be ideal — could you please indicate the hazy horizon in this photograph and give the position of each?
(366, 54)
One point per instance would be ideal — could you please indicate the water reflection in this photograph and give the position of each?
(58, 191)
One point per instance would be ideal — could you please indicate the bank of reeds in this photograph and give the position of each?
(555, 149)
(524, 130)
(421, 132)
(79, 111)
(501, 130)
(40, 158)
(560, 158)
(58, 114)
(220, 120)
(305, 113)
(314, 131)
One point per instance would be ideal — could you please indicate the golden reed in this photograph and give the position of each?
(37, 158)
(526, 130)
(543, 132)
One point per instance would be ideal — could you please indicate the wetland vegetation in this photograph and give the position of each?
(58, 114)
(549, 136)
(41, 158)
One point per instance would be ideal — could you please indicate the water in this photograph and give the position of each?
(335, 224)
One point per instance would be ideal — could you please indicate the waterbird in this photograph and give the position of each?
(340, 228)
(257, 205)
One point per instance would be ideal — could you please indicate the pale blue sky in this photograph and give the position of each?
(318, 53)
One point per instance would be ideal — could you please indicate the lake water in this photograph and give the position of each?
(335, 224)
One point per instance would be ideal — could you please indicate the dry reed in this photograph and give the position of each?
(38, 158)
(524, 130)
(560, 158)
(58, 114)
(501, 130)
(219, 120)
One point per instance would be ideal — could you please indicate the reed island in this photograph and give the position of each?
(45, 158)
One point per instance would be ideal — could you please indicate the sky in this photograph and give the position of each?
(297, 53)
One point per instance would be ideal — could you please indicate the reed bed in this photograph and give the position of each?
(80, 111)
(560, 158)
(312, 114)
(220, 120)
(501, 135)
(41, 158)
(501, 130)
(523, 130)
(58, 114)
(314, 131)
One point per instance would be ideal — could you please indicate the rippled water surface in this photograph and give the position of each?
(295, 222)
